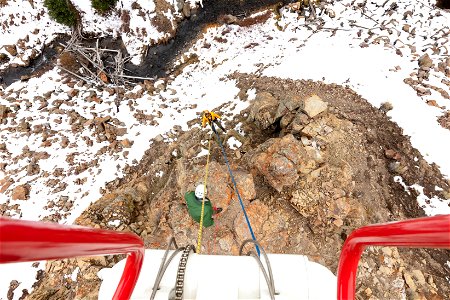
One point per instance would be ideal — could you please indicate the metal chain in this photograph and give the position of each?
(179, 286)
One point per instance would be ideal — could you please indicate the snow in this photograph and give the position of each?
(74, 274)
(432, 206)
(202, 152)
(114, 223)
(399, 180)
(251, 94)
(233, 143)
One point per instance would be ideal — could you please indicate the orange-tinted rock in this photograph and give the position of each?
(245, 185)
(21, 192)
(282, 161)
(269, 227)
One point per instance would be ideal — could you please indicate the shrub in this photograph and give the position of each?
(60, 11)
(103, 5)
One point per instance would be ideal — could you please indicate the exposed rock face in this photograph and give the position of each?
(220, 187)
(282, 162)
(395, 271)
(270, 227)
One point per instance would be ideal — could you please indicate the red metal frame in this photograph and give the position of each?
(430, 232)
(23, 241)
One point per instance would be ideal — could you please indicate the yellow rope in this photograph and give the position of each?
(200, 228)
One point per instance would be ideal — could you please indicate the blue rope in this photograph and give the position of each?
(235, 187)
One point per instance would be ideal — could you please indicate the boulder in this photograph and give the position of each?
(227, 19)
(21, 192)
(73, 92)
(33, 168)
(299, 122)
(282, 161)
(3, 112)
(291, 103)
(425, 61)
(313, 106)
(11, 49)
(126, 143)
(264, 110)
(186, 10)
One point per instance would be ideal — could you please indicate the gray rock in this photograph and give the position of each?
(186, 10)
(264, 110)
(228, 19)
(386, 106)
(286, 119)
(292, 103)
(299, 122)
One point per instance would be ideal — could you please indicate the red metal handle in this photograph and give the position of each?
(23, 241)
(430, 232)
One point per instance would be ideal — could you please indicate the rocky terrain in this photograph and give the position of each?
(313, 161)
(316, 162)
